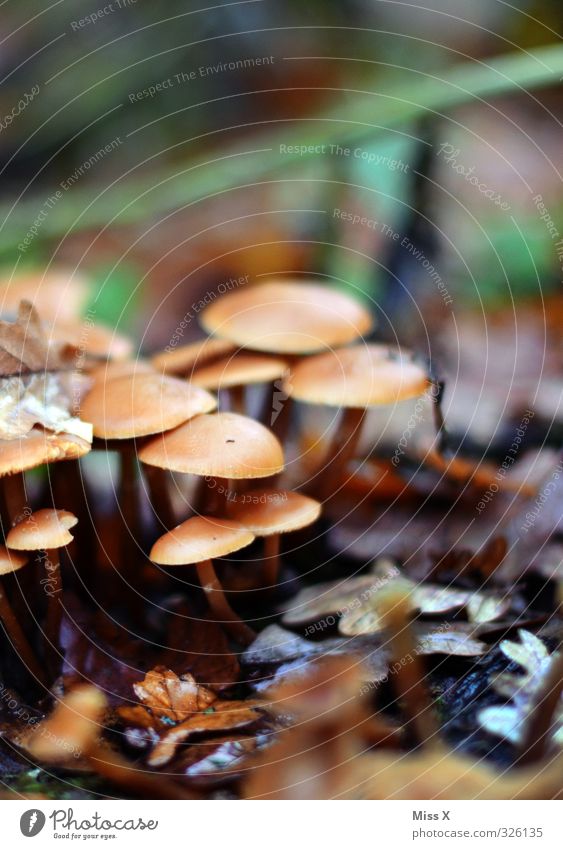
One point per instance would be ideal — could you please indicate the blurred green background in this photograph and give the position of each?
(147, 144)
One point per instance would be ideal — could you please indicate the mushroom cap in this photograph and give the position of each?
(223, 445)
(287, 317)
(56, 294)
(10, 562)
(239, 370)
(200, 538)
(362, 376)
(41, 530)
(186, 358)
(37, 448)
(274, 511)
(142, 404)
(72, 729)
(120, 368)
(90, 340)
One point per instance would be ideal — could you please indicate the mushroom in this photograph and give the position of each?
(124, 409)
(10, 562)
(237, 372)
(56, 294)
(37, 448)
(287, 317)
(355, 379)
(183, 360)
(198, 540)
(269, 513)
(48, 531)
(72, 733)
(222, 445)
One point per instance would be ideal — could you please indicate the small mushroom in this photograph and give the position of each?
(287, 317)
(185, 359)
(127, 408)
(237, 372)
(223, 445)
(10, 562)
(354, 378)
(37, 448)
(269, 513)
(71, 733)
(198, 540)
(48, 531)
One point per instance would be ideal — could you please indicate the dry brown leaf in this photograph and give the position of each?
(25, 348)
(223, 716)
(170, 697)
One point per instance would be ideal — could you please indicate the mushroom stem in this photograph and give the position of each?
(159, 494)
(15, 497)
(111, 766)
(271, 563)
(396, 613)
(53, 588)
(128, 500)
(439, 422)
(18, 638)
(540, 719)
(237, 399)
(219, 605)
(342, 449)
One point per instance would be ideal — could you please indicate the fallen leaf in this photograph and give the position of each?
(355, 602)
(223, 716)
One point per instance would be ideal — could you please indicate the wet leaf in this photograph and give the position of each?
(508, 721)
(223, 716)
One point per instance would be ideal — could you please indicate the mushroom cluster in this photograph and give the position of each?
(180, 437)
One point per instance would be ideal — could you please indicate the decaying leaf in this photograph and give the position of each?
(222, 716)
(175, 708)
(355, 602)
(25, 348)
(508, 720)
(171, 697)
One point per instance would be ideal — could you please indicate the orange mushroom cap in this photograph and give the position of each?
(184, 359)
(200, 538)
(223, 445)
(287, 317)
(274, 511)
(239, 370)
(362, 376)
(142, 404)
(37, 448)
(44, 529)
(10, 562)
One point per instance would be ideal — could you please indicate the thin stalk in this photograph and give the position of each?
(342, 449)
(396, 613)
(237, 399)
(219, 605)
(271, 562)
(15, 497)
(159, 493)
(18, 639)
(111, 766)
(54, 589)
